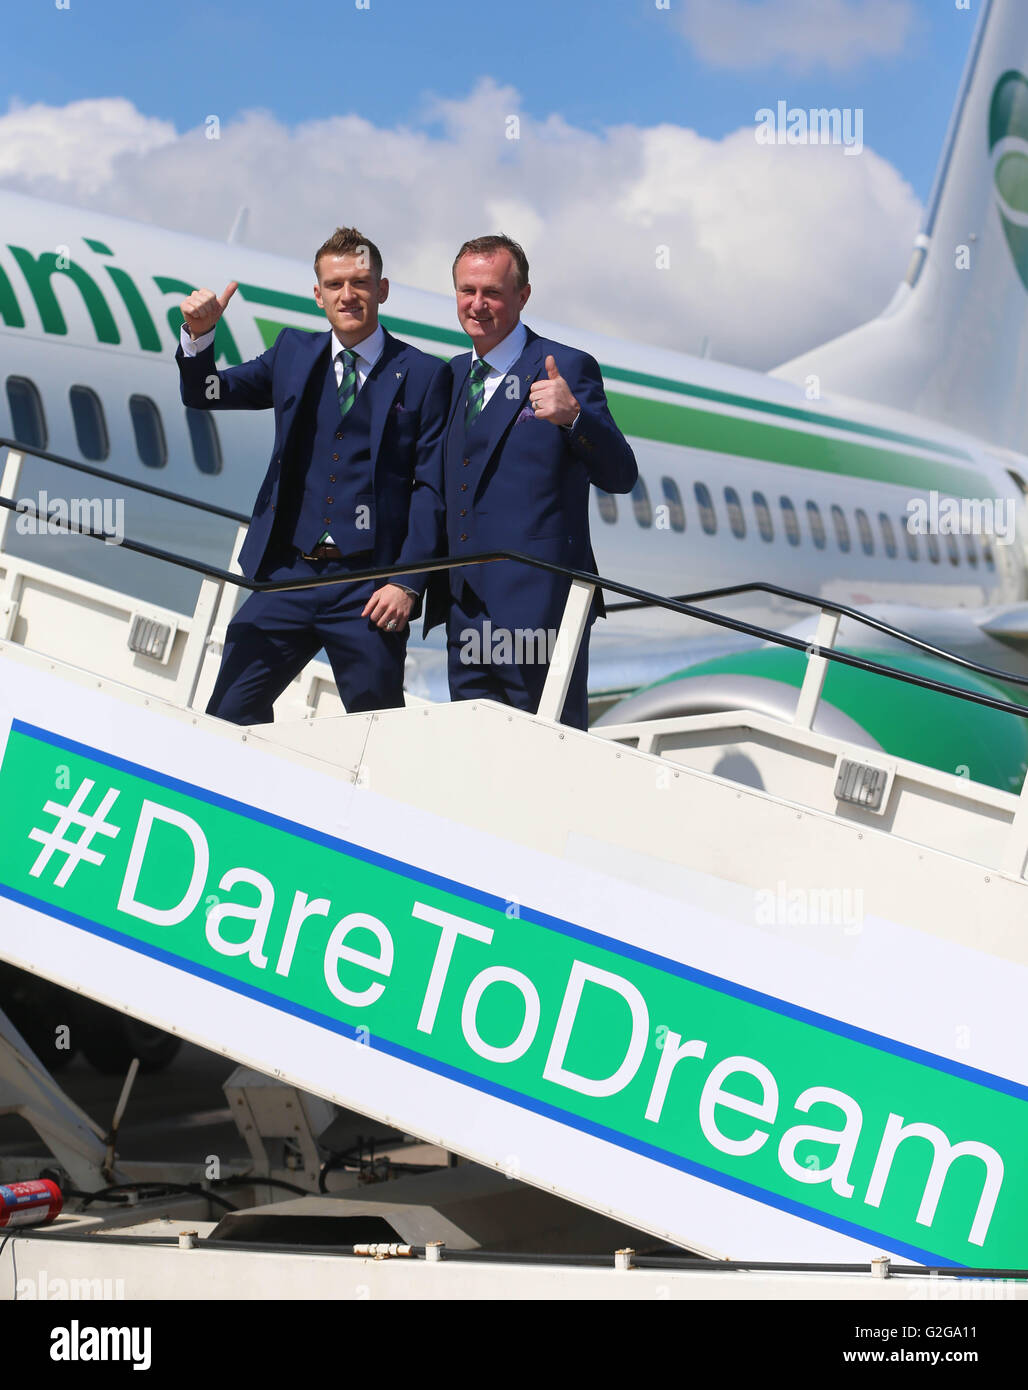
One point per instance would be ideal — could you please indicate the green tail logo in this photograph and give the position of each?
(1008, 122)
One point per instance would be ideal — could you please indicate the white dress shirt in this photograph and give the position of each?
(367, 353)
(501, 358)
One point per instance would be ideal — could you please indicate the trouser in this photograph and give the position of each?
(274, 635)
(487, 663)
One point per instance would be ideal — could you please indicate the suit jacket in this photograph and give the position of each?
(517, 483)
(409, 405)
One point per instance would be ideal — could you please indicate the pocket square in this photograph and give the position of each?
(526, 413)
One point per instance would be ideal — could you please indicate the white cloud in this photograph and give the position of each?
(773, 249)
(801, 34)
(77, 144)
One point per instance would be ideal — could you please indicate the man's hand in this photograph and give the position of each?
(204, 308)
(389, 608)
(552, 399)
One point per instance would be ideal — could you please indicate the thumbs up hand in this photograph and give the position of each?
(551, 397)
(203, 308)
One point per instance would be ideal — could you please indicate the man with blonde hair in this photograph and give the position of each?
(354, 482)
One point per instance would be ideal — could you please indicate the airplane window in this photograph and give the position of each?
(708, 516)
(764, 523)
(673, 499)
(987, 556)
(817, 525)
(90, 426)
(28, 422)
(932, 542)
(790, 521)
(888, 536)
(972, 553)
(953, 549)
(736, 520)
(204, 438)
(608, 506)
(641, 504)
(910, 538)
(842, 530)
(146, 421)
(867, 540)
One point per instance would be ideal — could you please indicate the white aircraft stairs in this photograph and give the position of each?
(781, 1029)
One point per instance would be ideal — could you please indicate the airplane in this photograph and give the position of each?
(884, 470)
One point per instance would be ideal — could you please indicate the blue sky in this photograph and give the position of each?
(637, 131)
(597, 63)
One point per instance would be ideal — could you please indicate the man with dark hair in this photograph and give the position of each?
(354, 482)
(529, 431)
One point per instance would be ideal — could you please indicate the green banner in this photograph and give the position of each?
(858, 1133)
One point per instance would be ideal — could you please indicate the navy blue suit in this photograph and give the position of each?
(513, 482)
(372, 479)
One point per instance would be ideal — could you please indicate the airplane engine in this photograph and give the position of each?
(895, 717)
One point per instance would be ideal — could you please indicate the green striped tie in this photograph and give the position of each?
(347, 393)
(476, 392)
(348, 384)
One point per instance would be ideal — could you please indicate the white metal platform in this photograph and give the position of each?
(763, 1025)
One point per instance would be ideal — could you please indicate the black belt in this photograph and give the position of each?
(323, 552)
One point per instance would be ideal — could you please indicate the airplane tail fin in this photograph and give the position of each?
(953, 343)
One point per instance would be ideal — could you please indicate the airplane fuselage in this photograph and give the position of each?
(742, 476)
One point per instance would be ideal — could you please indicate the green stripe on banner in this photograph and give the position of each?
(817, 1118)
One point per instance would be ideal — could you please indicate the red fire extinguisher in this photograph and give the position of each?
(29, 1203)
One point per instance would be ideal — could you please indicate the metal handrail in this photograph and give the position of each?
(150, 488)
(596, 581)
(829, 606)
(640, 598)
